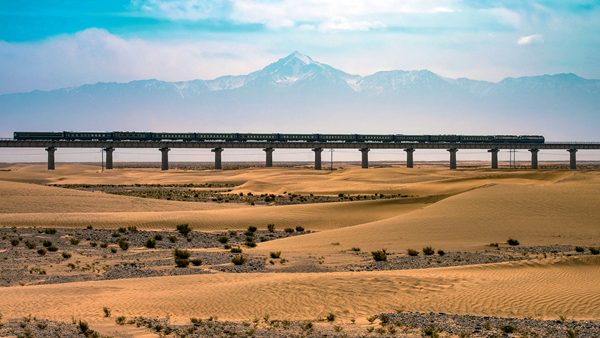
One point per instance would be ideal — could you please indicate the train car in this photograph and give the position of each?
(258, 137)
(174, 136)
(78, 135)
(444, 138)
(132, 136)
(337, 138)
(532, 139)
(224, 137)
(32, 135)
(411, 138)
(375, 138)
(506, 139)
(298, 137)
(476, 138)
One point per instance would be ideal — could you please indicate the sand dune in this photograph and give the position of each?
(542, 289)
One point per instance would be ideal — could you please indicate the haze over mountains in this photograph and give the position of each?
(298, 94)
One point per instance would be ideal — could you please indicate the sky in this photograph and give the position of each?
(51, 44)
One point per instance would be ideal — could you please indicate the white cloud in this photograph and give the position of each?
(341, 23)
(531, 39)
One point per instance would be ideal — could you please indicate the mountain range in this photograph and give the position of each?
(298, 94)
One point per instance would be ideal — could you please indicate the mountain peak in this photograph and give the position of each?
(303, 58)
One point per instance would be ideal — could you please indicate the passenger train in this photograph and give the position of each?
(240, 137)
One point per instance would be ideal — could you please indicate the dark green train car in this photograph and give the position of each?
(32, 135)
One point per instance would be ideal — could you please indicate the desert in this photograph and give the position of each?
(290, 251)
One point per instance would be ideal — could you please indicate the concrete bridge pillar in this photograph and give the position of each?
(109, 157)
(318, 152)
(453, 158)
(51, 151)
(165, 158)
(217, 152)
(494, 157)
(534, 162)
(409, 157)
(365, 157)
(573, 158)
(269, 152)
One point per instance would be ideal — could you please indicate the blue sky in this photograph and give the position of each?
(54, 44)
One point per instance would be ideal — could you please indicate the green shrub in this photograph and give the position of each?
(52, 248)
(572, 334)
(42, 325)
(89, 227)
(46, 244)
(74, 240)
(379, 256)
(288, 230)
(113, 250)
(120, 320)
(181, 263)
(84, 327)
(158, 237)
(196, 262)
(132, 228)
(66, 255)
(93, 244)
(250, 244)
(441, 252)
(30, 245)
(173, 239)
(299, 228)
(508, 328)
(428, 251)
(412, 252)
(579, 249)
(276, 254)
(150, 243)
(116, 234)
(252, 228)
(355, 249)
(50, 231)
(14, 242)
(236, 250)
(271, 227)
(494, 244)
(184, 229)
(512, 241)
(106, 311)
(249, 233)
(182, 254)
(104, 245)
(41, 251)
(594, 251)
(223, 239)
(226, 246)
(331, 317)
(122, 230)
(249, 239)
(238, 260)
(123, 244)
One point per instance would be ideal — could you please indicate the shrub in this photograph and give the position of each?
(89, 227)
(441, 252)
(122, 230)
(371, 319)
(184, 229)
(158, 237)
(46, 244)
(84, 327)
(196, 262)
(594, 251)
(512, 241)
(252, 228)
(66, 255)
(42, 325)
(250, 244)
(113, 250)
(106, 311)
(288, 230)
(14, 242)
(238, 260)
(379, 256)
(181, 254)
(123, 244)
(572, 334)
(412, 252)
(181, 263)
(236, 250)
(173, 239)
(331, 317)
(150, 243)
(74, 240)
(249, 239)
(508, 328)
(248, 233)
(271, 227)
(52, 248)
(428, 251)
(494, 244)
(93, 244)
(355, 249)
(276, 254)
(299, 228)
(50, 231)
(132, 228)
(223, 239)
(226, 246)
(41, 251)
(120, 320)
(116, 234)
(579, 249)
(30, 245)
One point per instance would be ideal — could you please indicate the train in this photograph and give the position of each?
(251, 137)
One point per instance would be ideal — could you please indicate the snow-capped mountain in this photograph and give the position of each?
(299, 94)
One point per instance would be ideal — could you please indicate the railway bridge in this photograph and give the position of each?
(218, 148)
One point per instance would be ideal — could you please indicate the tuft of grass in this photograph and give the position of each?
(441, 252)
(579, 249)
(123, 244)
(380, 255)
(238, 260)
(196, 262)
(66, 255)
(331, 317)
(512, 241)
(271, 227)
(428, 251)
(226, 246)
(104, 245)
(150, 243)
(46, 244)
(236, 250)
(74, 240)
(276, 254)
(14, 242)
(173, 239)
(158, 237)
(42, 325)
(132, 228)
(250, 244)
(223, 239)
(41, 251)
(50, 231)
(288, 230)
(371, 319)
(30, 245)
(84, 327)
(412, 252)
(508, 328)
(93, 244)
(594, 251)
(106, 311)
(123, 230)
(89, 227)
(121, 320)
(299, 228)
(184, 229)
(572, 334)
(252, 228)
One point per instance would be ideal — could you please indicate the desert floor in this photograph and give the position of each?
(458, 211)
